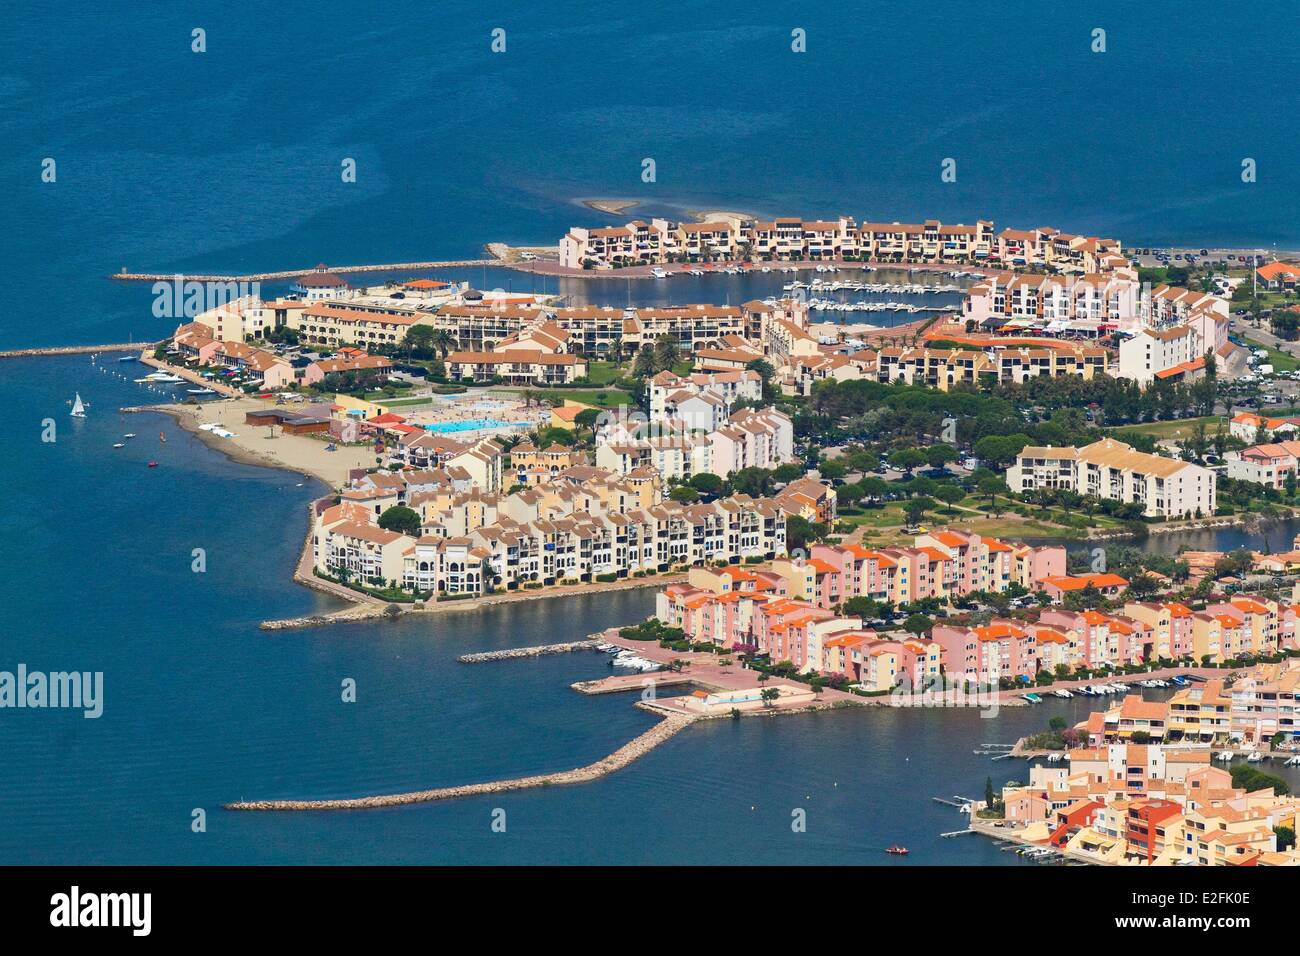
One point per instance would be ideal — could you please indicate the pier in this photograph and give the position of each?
(619, 683)
(517, 652)
(620, 758)
(78, 349)
(125, 276)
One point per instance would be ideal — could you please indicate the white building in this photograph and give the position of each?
(1172, 353)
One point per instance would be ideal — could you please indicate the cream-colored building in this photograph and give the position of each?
(1110, 469)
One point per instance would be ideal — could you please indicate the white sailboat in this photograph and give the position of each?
(78, 409)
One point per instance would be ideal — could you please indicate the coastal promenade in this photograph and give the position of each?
(620, 758)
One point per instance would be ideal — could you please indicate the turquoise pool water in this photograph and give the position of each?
(469, 425)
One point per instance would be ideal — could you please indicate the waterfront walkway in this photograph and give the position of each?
(620, 758)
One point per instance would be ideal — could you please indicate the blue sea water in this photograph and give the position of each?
(229, 160)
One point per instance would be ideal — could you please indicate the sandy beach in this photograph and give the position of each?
(254, 445)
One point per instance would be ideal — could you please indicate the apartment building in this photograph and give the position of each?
(1088, 305)
(796, 239)
(665, 391)
(516, 366)
(1168, 354)
(752, 438)
(1110, 469)
(584, 525)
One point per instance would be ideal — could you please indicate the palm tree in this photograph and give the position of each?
(443, 341)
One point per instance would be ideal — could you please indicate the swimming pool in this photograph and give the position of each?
(469, 425)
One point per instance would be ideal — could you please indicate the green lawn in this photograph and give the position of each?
(600, 397)
(403, 402)
(1176, 428)
(603, 373)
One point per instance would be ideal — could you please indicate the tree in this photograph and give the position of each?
(998, 451)
(419, 341)
(907, 459)
(991, 487)
(402, 520)
(1285, 838)
(769, 694)
(918, 624)
(915, 510)
(949, 495)
(684, 494)
(666, 353)
(707, 484)
(443, 341)
(832, 470)
(938, 456)
(1143, 584)
(800, 532)
(1057, 723)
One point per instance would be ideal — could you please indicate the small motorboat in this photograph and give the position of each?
(896, 850)
(120, 444)
(153, 464)
(162, 438)
(129, 435)
(127, 358)
(1292, 762)
(1254, 757)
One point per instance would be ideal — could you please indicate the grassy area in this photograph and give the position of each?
(603, 373)
(600, 397)
(882, 527)
(1281, 361)
(404, 402)
(1177, 428)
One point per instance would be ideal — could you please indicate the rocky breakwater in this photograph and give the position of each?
(620, 758)
(586, 645)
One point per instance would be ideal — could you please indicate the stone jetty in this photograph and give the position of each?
(538, 651)
(620, 758)
(125, 276)
(77, 349)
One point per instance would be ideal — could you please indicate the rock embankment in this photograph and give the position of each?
(538, 651)
(619, 759)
